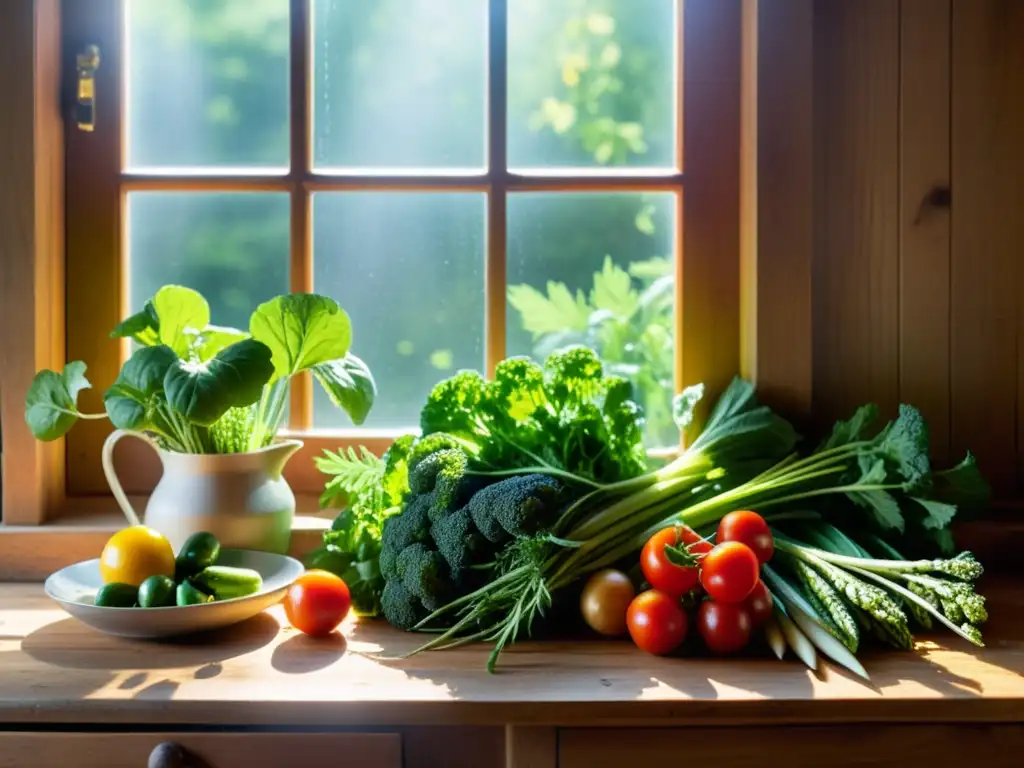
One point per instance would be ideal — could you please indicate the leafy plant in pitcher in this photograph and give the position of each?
(203, 388)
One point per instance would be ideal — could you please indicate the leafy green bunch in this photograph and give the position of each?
(566, 419)
(742, 459)
(372, 489)
(202, 388)
(631, 328)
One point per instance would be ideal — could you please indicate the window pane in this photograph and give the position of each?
(598, 269)
(207, 83)
(400, 83)
(592, 83)
(231, 247)
(408, 268)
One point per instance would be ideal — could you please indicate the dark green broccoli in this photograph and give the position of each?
(400, 608)
(424, 575)
(517, 506)
(460, 543)
(446, 467)
(439, 441)
(443, 476)
(411, 526)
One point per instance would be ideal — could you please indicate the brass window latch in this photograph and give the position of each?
(87, 62)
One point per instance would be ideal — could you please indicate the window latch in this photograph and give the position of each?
(87, 62)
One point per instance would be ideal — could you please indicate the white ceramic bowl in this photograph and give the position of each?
(75, 589)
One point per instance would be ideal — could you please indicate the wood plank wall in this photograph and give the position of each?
(917, 254)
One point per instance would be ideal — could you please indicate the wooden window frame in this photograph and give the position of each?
(46, 482)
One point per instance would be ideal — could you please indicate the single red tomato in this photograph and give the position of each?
(725, 627)
(759, 604)
(656, 622)
(729, 572)
(660, 572)
(317, 602)
(748, 528)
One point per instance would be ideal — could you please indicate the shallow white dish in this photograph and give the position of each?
(75, 589)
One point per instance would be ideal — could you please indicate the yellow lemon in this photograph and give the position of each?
(134, 554)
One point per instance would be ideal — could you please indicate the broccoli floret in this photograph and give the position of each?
(424, 575)
(518, 506)
(459, 543)
(445, 467)
(443, 475)
(410, 526)
(400, 608)
(430, 444)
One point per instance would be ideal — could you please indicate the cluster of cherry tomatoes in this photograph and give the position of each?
(681, 568)
(676, 562)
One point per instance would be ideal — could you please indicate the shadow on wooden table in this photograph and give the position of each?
(68, 644)
(301, 654)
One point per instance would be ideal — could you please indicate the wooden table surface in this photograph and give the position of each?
(55, 670)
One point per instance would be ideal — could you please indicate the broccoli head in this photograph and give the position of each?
(410, 526)
(424, 575)
(401, 609)
(521, 505)
(446, 468)
(438, 441)
(459, 543)
(443, 476)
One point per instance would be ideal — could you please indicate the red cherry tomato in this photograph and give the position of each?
(317, 602)
(729, 572)
(725, 627)
(656, 622)
(660, 572)
(748, 528)
(759, 604)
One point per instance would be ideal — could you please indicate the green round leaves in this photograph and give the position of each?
(349, 384)
(302, 330)
(51, 404)
(235, 377)
(132, 399)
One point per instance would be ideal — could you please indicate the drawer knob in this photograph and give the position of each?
(171, 755)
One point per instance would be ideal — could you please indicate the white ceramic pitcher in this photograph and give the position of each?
(241, 498)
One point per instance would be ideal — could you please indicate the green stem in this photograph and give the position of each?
(826, 491)
(543, 470)
(825, 457)
(868, 564)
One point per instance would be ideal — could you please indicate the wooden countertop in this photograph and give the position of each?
(55, 670)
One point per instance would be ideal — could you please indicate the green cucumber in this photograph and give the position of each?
(225, 582)
(156, 592)
(115, 595)
(187, 594)
(199, 551)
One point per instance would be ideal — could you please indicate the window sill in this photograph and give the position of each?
(33, 552)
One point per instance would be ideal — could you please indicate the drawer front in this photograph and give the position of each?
(810, 746)
(215, 750)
